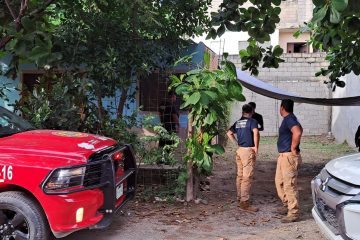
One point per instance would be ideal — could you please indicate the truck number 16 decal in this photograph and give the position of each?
(6, 173)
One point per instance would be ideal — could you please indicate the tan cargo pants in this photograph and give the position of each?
(245, 162)
(286, 181)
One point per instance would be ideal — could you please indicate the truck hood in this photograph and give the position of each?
(346, 168)
(72, 146)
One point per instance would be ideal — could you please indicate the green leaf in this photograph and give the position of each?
(204, 99)
(339, 5)
(320, 14)
(235, 90)
(276, 2)
(319, 3)
(243, 53)
(28, 24)
(211, 94)
(221, 30)
(211, 118)
(335, 16)
(217, 149)
(230, 68)
(193, 99)
(207, 59)
(207, 163)
(278, 50)
(37, 53)
(183, 88)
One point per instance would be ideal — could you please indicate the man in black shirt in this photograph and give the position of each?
(169, 117)
(246, 135)
(257, 117)
(288, 162)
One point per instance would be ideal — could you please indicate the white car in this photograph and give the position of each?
(336, 195)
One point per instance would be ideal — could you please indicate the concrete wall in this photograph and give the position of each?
(345, 120)
(296, 75)
(295, 13)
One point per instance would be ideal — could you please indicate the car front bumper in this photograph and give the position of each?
(324, 228)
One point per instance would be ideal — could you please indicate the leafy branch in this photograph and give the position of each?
(206, 93)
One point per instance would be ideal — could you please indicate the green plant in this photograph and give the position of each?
(206, 94)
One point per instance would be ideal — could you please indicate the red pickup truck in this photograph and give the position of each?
(58, 180)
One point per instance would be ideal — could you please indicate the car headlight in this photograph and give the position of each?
(65, 180)
(348, 214)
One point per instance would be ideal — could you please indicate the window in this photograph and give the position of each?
(300, 47)
(153, 90)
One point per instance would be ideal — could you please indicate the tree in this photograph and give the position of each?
(334, 27)
(25, 32)
(116, 42)
(206, 94)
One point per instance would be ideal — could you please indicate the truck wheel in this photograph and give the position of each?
(21, 218)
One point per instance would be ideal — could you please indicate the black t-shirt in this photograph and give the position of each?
(243, 128)
(285, 134)
(259, 119)
(166, 110)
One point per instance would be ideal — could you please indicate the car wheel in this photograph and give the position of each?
(21, 218)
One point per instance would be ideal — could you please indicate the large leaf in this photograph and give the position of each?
(230, 69)
(217, 149)
(320, 14)
(339, 5)
(235, 90)
(193, 99)
(335, 16)
(211, 94)
(319, 3)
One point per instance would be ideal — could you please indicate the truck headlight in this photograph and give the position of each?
(65, 180)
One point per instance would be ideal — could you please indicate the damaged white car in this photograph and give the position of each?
(336, 195)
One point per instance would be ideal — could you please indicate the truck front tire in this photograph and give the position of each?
(21, 218)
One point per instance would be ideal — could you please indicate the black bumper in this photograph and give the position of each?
(109, 208)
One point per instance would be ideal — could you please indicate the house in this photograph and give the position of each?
(150, 91)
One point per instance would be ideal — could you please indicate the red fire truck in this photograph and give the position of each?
(59, 181)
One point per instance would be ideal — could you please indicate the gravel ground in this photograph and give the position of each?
(221, 218)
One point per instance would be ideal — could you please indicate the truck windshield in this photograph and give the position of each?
(10, 123)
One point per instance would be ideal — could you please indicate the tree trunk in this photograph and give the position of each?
(100, 109)
(122, 102)
(190, 169)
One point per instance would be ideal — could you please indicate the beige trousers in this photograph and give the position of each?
(245, 162)
(286, 181)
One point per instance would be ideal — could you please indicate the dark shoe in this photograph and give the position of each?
(281, 210)
(290, 219)
(247, 207)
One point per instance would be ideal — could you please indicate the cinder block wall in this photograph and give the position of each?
(296, 75)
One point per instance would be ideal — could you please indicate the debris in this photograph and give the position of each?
(157, 199)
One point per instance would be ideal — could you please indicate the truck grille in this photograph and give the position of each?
(94, 172)
(93, 175)
(329, 215)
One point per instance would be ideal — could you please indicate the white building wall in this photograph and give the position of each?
(345, 120)
(296, 75)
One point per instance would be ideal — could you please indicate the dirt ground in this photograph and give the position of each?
(221, 218)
